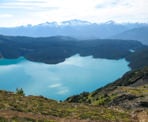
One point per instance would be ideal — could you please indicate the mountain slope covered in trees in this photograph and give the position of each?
(53, 50)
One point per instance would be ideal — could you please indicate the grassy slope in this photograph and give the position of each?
(132, 86)
(129, 93)
(32, 108)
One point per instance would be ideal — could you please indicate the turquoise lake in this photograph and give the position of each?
(58, 81)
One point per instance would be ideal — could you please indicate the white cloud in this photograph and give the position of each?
(28, 5)
(6, 15)
(57, 85)
(38, 11)
(112, 3)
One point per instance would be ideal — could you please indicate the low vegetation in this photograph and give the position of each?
(16, 108)
(131, 89)
(129, 93)
(20, 92)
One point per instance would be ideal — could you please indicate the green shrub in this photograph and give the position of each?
(20, 92)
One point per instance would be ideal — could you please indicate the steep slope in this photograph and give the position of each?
(130, 92)
(140, 34)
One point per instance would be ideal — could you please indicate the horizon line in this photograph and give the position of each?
(81, 20)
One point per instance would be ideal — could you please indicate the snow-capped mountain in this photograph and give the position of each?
(73, 28)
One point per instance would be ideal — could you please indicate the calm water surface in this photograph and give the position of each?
(76, 74)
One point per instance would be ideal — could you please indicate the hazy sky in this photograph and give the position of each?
(22, 12)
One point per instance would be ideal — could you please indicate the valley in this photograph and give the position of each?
(103, 104)
(73, 61)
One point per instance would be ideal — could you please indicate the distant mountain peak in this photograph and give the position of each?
(75, 22)
(49, 24)
(110, 22)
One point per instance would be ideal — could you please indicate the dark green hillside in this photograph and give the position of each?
(139, 58)
(56, 49)
(130, 92)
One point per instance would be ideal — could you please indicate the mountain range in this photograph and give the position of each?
(124, 100)
(140, 34)
(82, 30)
(52, 50)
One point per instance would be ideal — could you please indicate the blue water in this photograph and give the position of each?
(76, 74)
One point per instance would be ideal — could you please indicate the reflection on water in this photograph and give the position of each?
(76, 74)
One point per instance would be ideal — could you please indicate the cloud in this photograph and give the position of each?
(31, 1)
(6, 15)
(57, 85)
(27, 5)
(123, 11)
(113, 3)
(39, 11)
